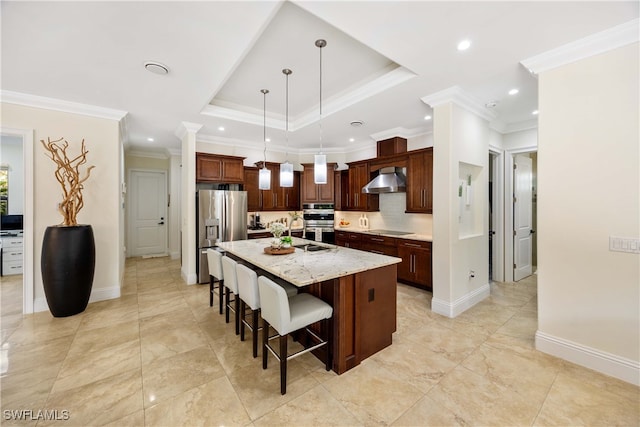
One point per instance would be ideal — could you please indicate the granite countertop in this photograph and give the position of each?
(410, 236)
(302, 268)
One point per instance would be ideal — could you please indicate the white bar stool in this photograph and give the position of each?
(231, 287)
(214, 261)
(289, 314)
(250, 295)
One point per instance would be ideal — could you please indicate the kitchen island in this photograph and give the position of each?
(360, 286)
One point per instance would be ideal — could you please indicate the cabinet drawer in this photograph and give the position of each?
(378, 248)
(11, 254)
(415, 244)
(11, 267)
(11, 242)
(379, 240)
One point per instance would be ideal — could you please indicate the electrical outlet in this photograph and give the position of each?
(624, 244)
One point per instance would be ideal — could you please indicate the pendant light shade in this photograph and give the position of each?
(320, 169)
(320, 160)
(264, 177)
(286, 168)
(286, 174)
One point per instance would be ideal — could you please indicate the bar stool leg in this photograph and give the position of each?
(254, 335)
(242, 310)
(227, 298)
(236, 303)
(283, 364)
(210, 291)
(220, 293)
(329, 334)
(265, 342)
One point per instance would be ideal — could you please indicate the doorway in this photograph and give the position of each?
(147, 214)
(521, 214)
(20, 202)
(496, 215)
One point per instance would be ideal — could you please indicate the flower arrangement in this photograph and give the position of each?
(277, 229)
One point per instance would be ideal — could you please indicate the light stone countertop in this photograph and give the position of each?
(266, 230)
(304, 268)
(411, 236)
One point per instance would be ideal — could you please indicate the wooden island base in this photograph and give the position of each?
(364, 313)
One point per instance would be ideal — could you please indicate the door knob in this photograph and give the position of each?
(161, 223)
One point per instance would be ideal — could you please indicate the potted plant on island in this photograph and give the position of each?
(286, 241)
(68, 249)
(277, 229)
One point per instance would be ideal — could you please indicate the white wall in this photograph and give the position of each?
(589, 189)
(101, 193)
(524, 139)
(459, 137)
(11, 156)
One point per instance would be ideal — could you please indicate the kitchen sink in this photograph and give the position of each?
(309, 247)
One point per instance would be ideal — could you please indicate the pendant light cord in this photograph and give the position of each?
(264, 127)
(287, 72)
(320, 44)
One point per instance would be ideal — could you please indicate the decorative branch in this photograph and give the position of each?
(68, 175)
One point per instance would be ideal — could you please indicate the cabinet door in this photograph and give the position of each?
(420, 182)
(292, 194)
(222, 169)
(254, 195)
(325, 191)
(405, 268)
(308, 187)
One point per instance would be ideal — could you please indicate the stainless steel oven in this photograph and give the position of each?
(319, 221)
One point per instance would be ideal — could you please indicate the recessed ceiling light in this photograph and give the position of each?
(220, 128)
(351, 139)
(268, 139)
(464, 45)
(427, 117)
(150, 139)
(357, 123)
(513, 91)
(491, 104)
(156, 67)
(534, 112)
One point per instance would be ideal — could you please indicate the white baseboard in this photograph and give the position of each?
(609, 364)
(100, 294)
(452, 309)
(190, 279)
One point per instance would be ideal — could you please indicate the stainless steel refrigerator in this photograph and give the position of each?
(222, 217)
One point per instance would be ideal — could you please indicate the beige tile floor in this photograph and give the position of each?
(160, 356)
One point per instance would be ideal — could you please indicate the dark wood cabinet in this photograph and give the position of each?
(382, 245)
(276, 198)
(219, 169)
(317, 193)
(355, 200)
(348, 239)
(415, 268)
(420, 181)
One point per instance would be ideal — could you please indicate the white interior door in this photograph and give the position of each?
(522, 217)
(147, 213)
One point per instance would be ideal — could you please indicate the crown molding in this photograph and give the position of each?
(520, 126)
(174, 151)
(392, 76)
(458, 96)
(615, 37)
(402, 132)
(148, 154)
(187, 127)
(54, 104)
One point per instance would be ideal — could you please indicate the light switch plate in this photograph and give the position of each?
(624, 244)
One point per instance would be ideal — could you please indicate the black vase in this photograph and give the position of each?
(68, 263)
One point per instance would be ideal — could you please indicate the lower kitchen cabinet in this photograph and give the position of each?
(415, 268)
(349, 240)
(382, 245)
(12, 256)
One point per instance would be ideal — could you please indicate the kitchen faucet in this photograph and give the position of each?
(304, 228)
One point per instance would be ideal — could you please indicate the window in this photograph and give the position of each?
(4, 190)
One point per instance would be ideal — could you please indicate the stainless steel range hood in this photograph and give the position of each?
(390, 180)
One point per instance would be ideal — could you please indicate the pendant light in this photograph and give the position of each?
(320, 160)
(286, 168)
(264, 177)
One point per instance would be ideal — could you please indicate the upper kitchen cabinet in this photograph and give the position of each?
(219, 169)
(317, 193)
(355, 200)
(420, 181)
(276, 198)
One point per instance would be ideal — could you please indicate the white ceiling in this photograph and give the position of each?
(381, 58)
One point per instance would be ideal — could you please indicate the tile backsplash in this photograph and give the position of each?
(392, 216)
